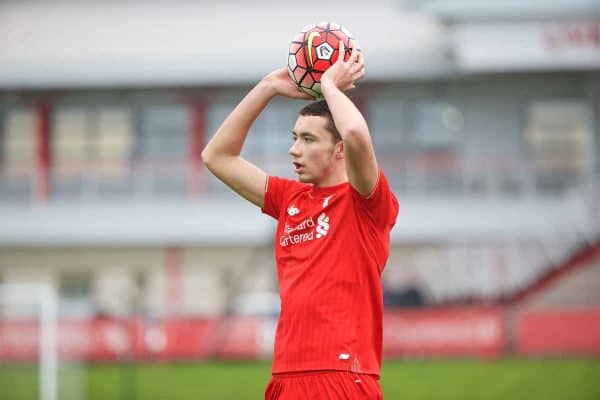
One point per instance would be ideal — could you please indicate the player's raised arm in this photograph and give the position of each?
(222, 153)
(361, 165)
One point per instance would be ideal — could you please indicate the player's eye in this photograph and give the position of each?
(308, 139)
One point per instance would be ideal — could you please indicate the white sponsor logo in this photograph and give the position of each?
(304, 231)
(344, 356)
(292, 210)
(326, 200)
(295, 234)
(307, 223)
(323, 225)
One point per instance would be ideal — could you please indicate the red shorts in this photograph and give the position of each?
(323, 385)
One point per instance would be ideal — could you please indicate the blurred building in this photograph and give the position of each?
(485, 117)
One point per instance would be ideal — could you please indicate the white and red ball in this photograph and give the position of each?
(314, 50)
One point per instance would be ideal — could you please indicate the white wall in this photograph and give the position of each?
(201, 42)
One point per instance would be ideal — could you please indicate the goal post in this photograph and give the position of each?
(41, 301)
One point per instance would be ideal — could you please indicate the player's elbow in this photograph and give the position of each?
(216, 162)
(205, 155)
(208, 157)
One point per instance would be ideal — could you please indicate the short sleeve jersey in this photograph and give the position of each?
(331, 246)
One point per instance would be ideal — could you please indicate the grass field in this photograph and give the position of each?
(438, 379)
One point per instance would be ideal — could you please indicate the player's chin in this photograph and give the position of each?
(304, 177)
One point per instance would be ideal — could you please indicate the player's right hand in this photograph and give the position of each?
(282, 83)
(344, 74)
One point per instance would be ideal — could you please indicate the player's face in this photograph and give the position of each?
(313, 151)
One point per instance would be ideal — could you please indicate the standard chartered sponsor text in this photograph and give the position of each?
(304, 231)
(298, 238)
(307, 223)
(291, 238)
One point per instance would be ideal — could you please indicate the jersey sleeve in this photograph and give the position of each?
(381, 205)
(276, 190)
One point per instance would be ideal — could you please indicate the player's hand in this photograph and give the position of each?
(344, 74)
(282, 84)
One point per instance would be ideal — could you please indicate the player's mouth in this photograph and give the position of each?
(298, 167)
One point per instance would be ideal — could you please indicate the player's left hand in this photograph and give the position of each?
(344, 74)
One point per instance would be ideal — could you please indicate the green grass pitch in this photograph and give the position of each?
(503, 379)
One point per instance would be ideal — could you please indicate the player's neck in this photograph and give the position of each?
(337, 177)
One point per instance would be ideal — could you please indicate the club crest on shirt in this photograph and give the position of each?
(292, 210)
(322, 225)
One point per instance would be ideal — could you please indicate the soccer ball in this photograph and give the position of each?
(314, 50)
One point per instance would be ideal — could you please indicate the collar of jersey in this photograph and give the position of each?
(324, 191)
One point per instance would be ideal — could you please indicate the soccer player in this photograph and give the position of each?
(332, 238)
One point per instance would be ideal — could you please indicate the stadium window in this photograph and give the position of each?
(91, 149)
(436, 134)
(17, 153)
(75, 292)
(113, 142)
(437, 124)
(387, 123)
(161, 148)
(70, 142)
(75, 285)
(275, 126)
(418, 141)
(558, 133)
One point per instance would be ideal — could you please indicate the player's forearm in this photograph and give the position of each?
(359, 155)
(231, 135)
(348, 119)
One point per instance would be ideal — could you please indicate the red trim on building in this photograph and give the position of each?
(43, 153)
(450, 332)
(558, 332)
(475, 331)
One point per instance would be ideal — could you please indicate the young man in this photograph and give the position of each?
(332, 238)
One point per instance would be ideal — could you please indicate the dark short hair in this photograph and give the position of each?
(321, 109)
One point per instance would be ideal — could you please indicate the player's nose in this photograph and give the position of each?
(294, 151)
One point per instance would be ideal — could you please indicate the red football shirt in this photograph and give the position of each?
(331, 245)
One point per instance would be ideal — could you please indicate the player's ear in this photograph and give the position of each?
(339, 150)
